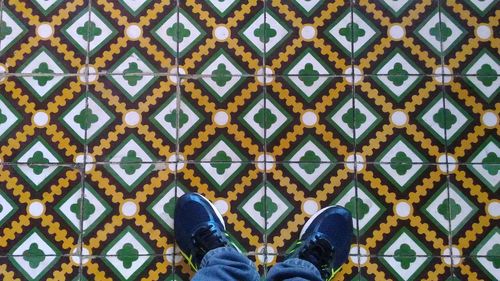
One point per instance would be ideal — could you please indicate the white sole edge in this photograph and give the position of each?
(310, 220)
(215, 210)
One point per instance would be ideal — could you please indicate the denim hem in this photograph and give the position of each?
(303, 264)
(215, 251)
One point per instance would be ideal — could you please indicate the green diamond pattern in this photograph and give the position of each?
(90, 208)
(482, 74)
(34, 255)
(131, 155)
(221, 162)
(449, 207)
(309, 162)
(89, 32)
(275, 211)
(127, 255)
(485, 163)
(405, 255)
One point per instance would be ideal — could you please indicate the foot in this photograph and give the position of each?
(198, 227)
(325, 240)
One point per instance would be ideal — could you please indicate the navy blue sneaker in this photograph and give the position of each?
(198, 227)
(325, 240)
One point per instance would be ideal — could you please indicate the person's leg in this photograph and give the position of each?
(226, 263)
(201, 235)
(294, 269)
(322, 248)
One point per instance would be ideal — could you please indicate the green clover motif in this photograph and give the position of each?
(89, 31)
(38, 159)
(86, 118)
(221, 75)
(132, 79)
(449, 209)
(401, 163)
(442, 115)
(3, 117)
(43, 68)
(34, 256)
(88, 208)
(127, 255)
(172, 118)
(130, 163)
(1, 208)
(491, 163)
(397, 75)
(487, 75)
(269, 210)
(265, 32)
(441, 31)
(265, 118)
(307, 162)
(178, 32)
(405, 255)
(169, 207)
(493, 256)
(352, 32)
(360, 211)
(5, 30)
(354, 118)
(221, 156)
(308, 75)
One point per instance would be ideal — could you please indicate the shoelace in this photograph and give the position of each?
(319, 251)
(205, 239)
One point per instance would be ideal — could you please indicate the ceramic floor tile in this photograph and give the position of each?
(221, 38)
(404, 194)
(482, 268)
(33, 37)
(135, 203)
(315, 118)
(391, 38)
(34, 121)
(132, 36)
(123, 114)
(467, 31)
(392, 118)
(211, 120)
(235, 188)
(307, 39)
(472, 119)
(34, 205)
(395, 123)
(473, 203)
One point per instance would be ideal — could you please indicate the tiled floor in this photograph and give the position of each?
(110, 110)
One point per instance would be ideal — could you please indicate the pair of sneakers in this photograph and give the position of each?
(324, 240)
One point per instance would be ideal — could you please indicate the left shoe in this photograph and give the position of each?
(198, 228)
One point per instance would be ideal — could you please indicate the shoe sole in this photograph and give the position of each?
(308, 223)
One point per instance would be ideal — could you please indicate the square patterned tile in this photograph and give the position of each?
(34, 38)
(218, 126)
(407, 264)
(221, 38)
(33, 218)
(133, 204)
(32, 266)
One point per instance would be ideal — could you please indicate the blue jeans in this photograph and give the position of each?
(227, 264)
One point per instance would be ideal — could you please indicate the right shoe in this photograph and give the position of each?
(198, 228)
(325, 240)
